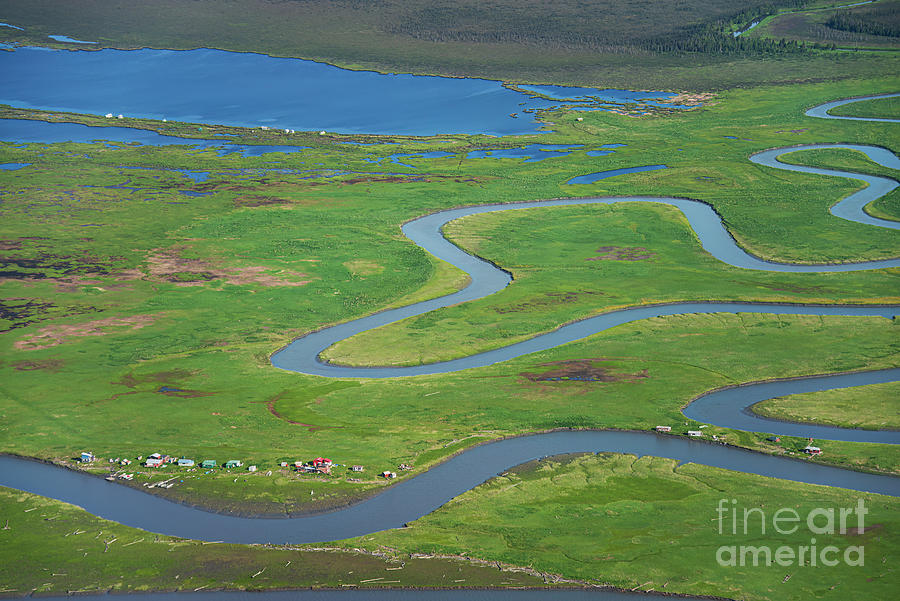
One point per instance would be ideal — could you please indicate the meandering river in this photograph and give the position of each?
(420, 495)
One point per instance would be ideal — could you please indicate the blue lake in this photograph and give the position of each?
(12, 166)
(393, 158)
(274, 92)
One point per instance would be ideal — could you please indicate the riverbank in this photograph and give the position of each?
(82, 554)
(871, 407)
(78, 548)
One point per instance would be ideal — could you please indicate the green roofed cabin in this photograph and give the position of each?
(233, 463)
(208, 463)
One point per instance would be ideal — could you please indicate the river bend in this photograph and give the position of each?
(412, 498)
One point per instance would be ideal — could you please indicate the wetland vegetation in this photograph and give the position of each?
(141, 303)
(874, 407)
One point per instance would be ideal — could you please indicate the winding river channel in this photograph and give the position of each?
(417, 496)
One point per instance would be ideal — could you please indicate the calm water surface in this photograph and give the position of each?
(244, 89)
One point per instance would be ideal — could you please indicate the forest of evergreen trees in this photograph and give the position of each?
(697, 33)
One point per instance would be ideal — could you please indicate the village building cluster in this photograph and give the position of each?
(809, 449)
(690, 433)
(319, 465)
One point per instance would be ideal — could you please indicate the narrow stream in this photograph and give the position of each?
(418, 496)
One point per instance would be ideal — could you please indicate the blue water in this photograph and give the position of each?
(590, 178)
(393, 158)
(821, 111)
(12, 26)
(594, 94)
(13, 166)
(731, 407)
(65, 38)
(197, 176)
(599, 153)
(275, 92)
(411, 498)
(533, 153)
(302, 355)
(751, 26)
(850, 207)
(25, 131)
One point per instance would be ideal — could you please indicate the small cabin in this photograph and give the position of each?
(153, 462)
(811, 450)
(695, 433)
(323, 461)
(183, 462)
(208, 463)
(252, 468)
(356, 468)
(663, 428)
(388, 475)
(87, 457)
(233, 463)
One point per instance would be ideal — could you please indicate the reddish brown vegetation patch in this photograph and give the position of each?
(686, 98)
(131, 380)
(581, 370)
(10, 244)
(169, 265)
(182, 394)
(863, 530)
(58, 334)
(47, 364)
(23, 312)
(402, 179)
(622, 253)
(549, 299)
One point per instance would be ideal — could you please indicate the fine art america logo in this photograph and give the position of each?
(734, 520)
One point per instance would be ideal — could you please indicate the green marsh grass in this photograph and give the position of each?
(876, 406)
(106, 253)
(648, 524)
